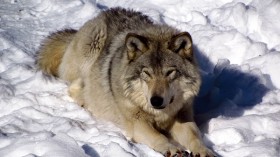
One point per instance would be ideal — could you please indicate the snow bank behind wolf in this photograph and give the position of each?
(141, 76)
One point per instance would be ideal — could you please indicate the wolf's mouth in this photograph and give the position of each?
(159, 107)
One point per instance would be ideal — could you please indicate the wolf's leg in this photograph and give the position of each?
(188, 135)
(146, 134)
(76, 91)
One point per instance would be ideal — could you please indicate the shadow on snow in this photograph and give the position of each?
(226, 90)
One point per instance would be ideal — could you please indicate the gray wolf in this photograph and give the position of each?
(126, 69)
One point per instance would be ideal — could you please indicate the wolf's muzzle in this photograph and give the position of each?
(157, 102)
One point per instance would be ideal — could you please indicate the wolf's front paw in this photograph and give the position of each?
(177, 154)
(201, 152)
(170, 150)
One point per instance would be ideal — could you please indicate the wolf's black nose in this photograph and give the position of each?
(157, 102)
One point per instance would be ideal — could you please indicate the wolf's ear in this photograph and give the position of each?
(182, 45)
(136, 45)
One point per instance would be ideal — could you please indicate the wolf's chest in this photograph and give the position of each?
(162, 121)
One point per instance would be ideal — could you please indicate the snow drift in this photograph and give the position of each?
(237, 45)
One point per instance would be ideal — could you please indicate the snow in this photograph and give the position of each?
(237, 45)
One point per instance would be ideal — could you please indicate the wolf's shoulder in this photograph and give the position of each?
(126, 18)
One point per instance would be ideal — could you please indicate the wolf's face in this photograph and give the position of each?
(158, 86)
(160, 73)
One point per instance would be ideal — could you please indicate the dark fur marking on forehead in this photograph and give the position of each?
(157, 58)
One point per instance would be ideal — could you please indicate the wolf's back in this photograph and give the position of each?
(52, 50)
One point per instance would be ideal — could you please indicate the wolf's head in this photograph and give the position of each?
(161, 71)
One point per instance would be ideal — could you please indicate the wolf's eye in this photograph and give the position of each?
(145, 73)
(171, 73)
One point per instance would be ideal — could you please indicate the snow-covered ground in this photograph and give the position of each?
(237, 44)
